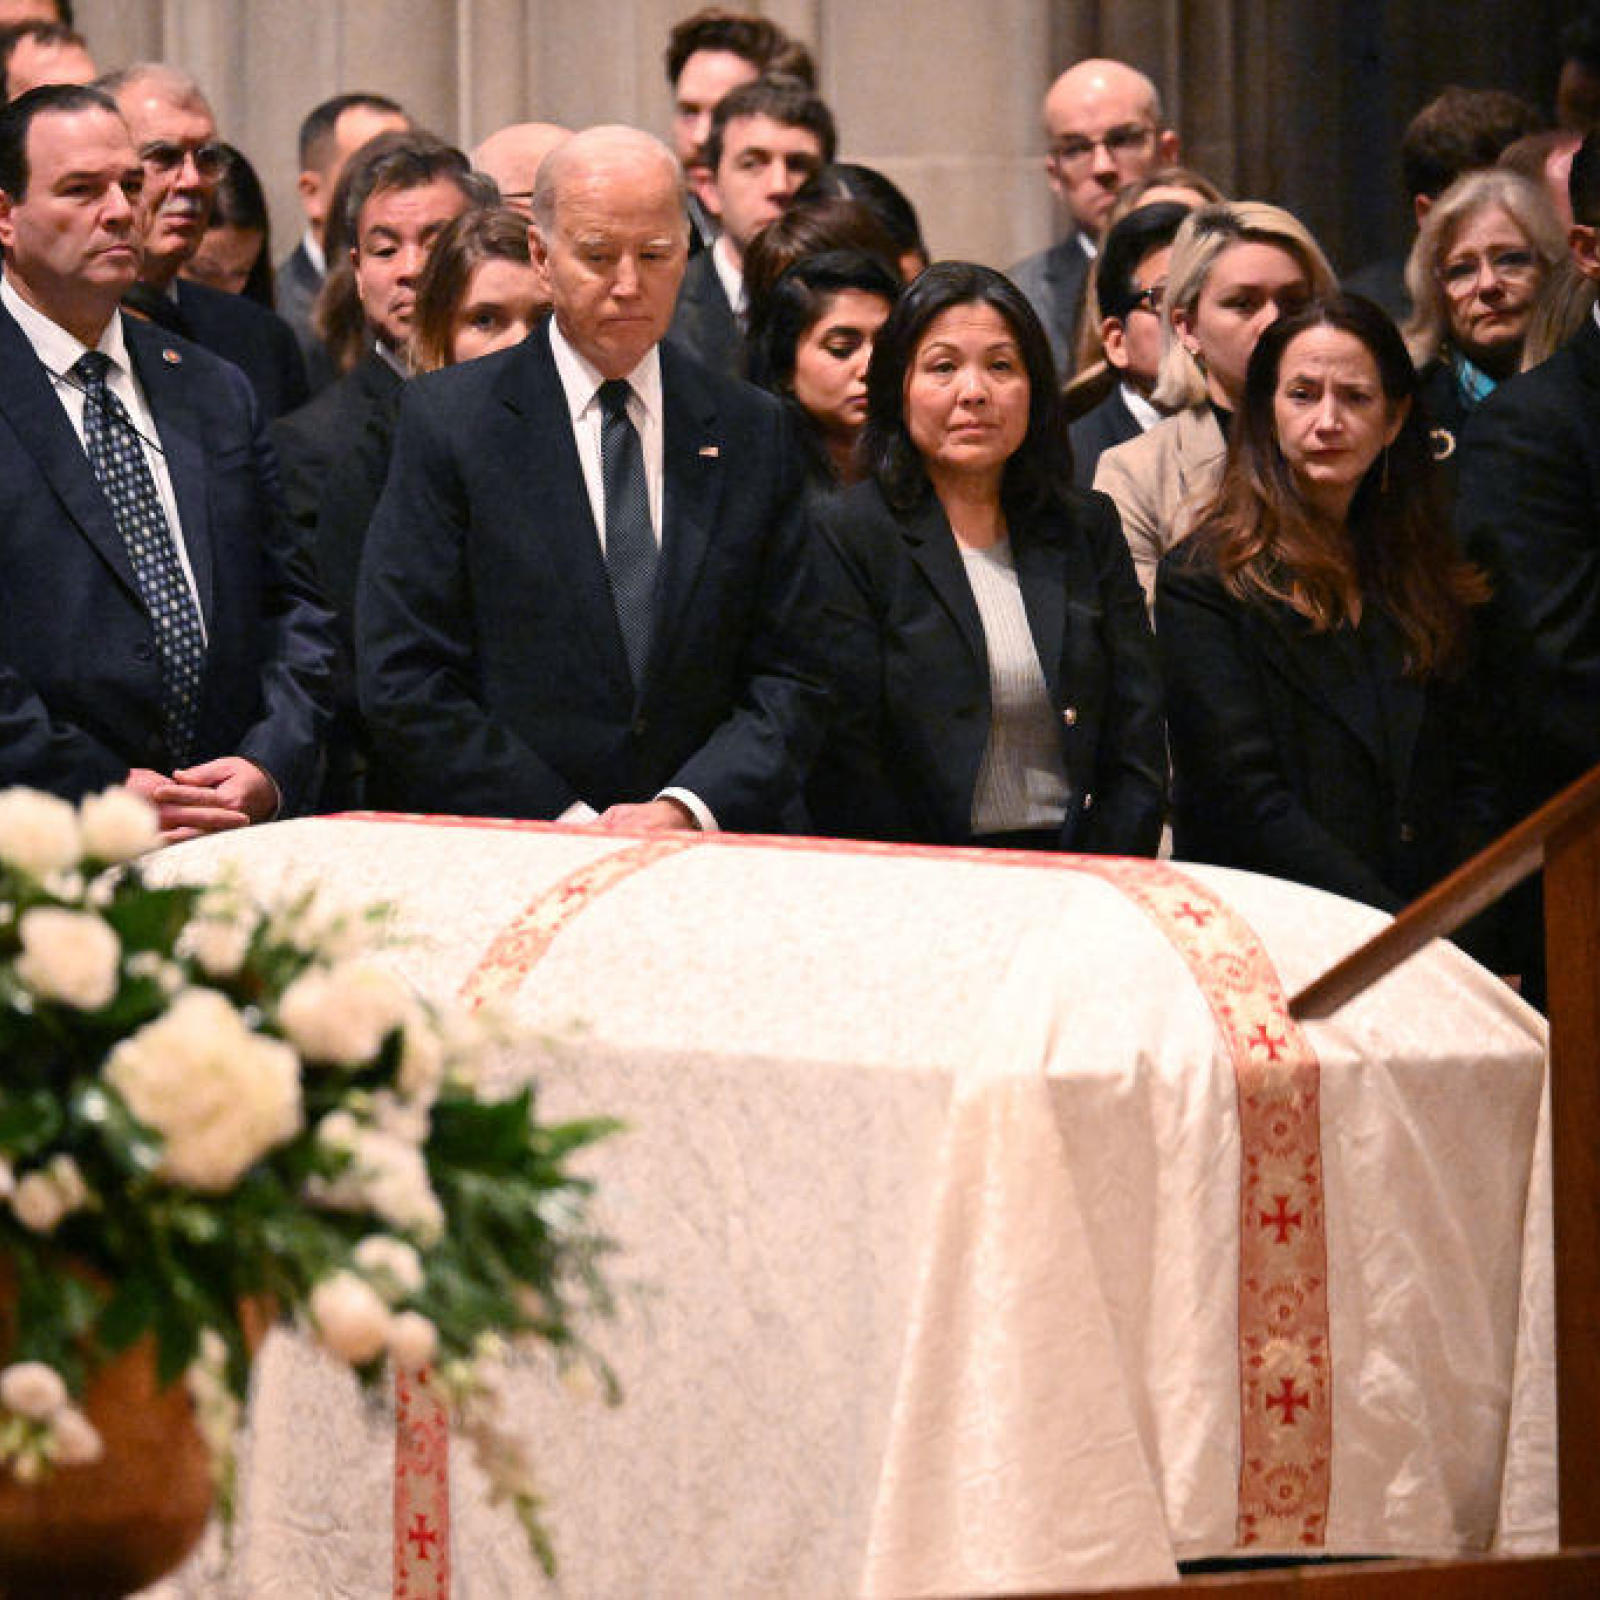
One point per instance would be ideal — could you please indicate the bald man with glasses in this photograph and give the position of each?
(1103, 122)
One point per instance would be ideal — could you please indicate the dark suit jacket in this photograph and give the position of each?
(1110, 423)
(704, 323)
(492, 669)
(1054, 282)
(1311, 756)
(80, 684)
(335, 456)
(295, 290)
(911, 669)
(255, 340)
(1528, 507)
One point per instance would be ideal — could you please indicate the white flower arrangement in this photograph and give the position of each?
(211, 1105)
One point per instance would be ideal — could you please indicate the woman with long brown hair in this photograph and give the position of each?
(1315, 630)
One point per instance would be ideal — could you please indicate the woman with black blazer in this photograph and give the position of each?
(995, 679)
(1314, 631)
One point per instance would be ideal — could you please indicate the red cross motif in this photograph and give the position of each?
(421, 1535)
(1291, 1400)
(1272, 1043)
(1283, 1219)
(1198, 915)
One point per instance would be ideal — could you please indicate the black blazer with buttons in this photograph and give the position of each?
(1312, 756)
(911, 669)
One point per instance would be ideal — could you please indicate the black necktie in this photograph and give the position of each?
(631, 553)
(117, 456)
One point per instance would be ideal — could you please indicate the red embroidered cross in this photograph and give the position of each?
(1290, 1399)
(1283, 1219)
(421, 1535)
(1272, 1043)
(1199, 915)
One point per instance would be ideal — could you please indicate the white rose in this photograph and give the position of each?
(64, 1173)
(38, 832)
(38, 1202)
(421, 1058)
(71, 956)
(77, 1443)
(218, 1094)
(393, 1266)
(386, 1175)
(219, 944)
(352, 1321)
(413, 1341)
(33, 1390)
(118, 825)
(339, 1131)
(342, 1014)
(405, 1119)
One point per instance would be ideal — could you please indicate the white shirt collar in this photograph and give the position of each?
(1144, 413)
(54, 346)
(581, 379)
(315, 254)
(729, 273)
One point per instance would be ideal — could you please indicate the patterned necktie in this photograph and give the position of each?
(631, 552)
(117, 456)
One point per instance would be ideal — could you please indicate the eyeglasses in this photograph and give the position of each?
(1075, 152)
(166, 155)
(1460, 277)
(1150, 299)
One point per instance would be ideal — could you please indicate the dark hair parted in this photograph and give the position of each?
(1040, 470)
(322, 122)
(16, 117)
(884, 198)
(1395, 549)
(757, 40)
(398, 160)
(802, 295)
(787, 100)
(1458, 131)
(241, 202)
(1127, 244)
(488, 233)
(807, 227)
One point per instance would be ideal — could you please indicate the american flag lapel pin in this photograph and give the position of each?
(171, 357)
(710, 452)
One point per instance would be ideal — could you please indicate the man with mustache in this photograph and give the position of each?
(176, 137)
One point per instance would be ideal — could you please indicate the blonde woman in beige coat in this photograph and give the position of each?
(1237, 266)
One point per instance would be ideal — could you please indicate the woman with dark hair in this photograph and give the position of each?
(805, 227)
(235, 253)
(816, 340)
(996, 680)
(1315, 630)
(478, 292)
(886, 200)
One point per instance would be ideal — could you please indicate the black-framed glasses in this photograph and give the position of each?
(1150, 299)
(167, 155)
(1460, 277)
(1122, 143)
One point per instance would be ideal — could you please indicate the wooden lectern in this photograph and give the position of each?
(1563, 837)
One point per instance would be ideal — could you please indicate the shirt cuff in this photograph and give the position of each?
(578, 813)
(695, 806)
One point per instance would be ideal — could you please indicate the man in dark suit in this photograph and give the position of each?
(403, 190)
(176, 137)
(157, 628)
(331, 133)
(587, 590)
(1529, 509)
(767, 138)
(1103, 120)
(1131, 286)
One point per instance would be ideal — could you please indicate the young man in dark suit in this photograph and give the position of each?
(587, 593)
(157, 627)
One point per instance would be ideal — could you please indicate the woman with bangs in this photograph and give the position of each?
(1315, 631)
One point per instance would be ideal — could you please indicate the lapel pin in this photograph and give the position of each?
(710, 452)
(171, 357)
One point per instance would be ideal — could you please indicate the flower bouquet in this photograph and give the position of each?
(207, 1106)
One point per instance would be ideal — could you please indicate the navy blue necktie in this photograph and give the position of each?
(632, 555)
(117, 456)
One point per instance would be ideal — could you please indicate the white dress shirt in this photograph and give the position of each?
(58, 352)
(580, 384)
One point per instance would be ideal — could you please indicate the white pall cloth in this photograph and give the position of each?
(985, 1227)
